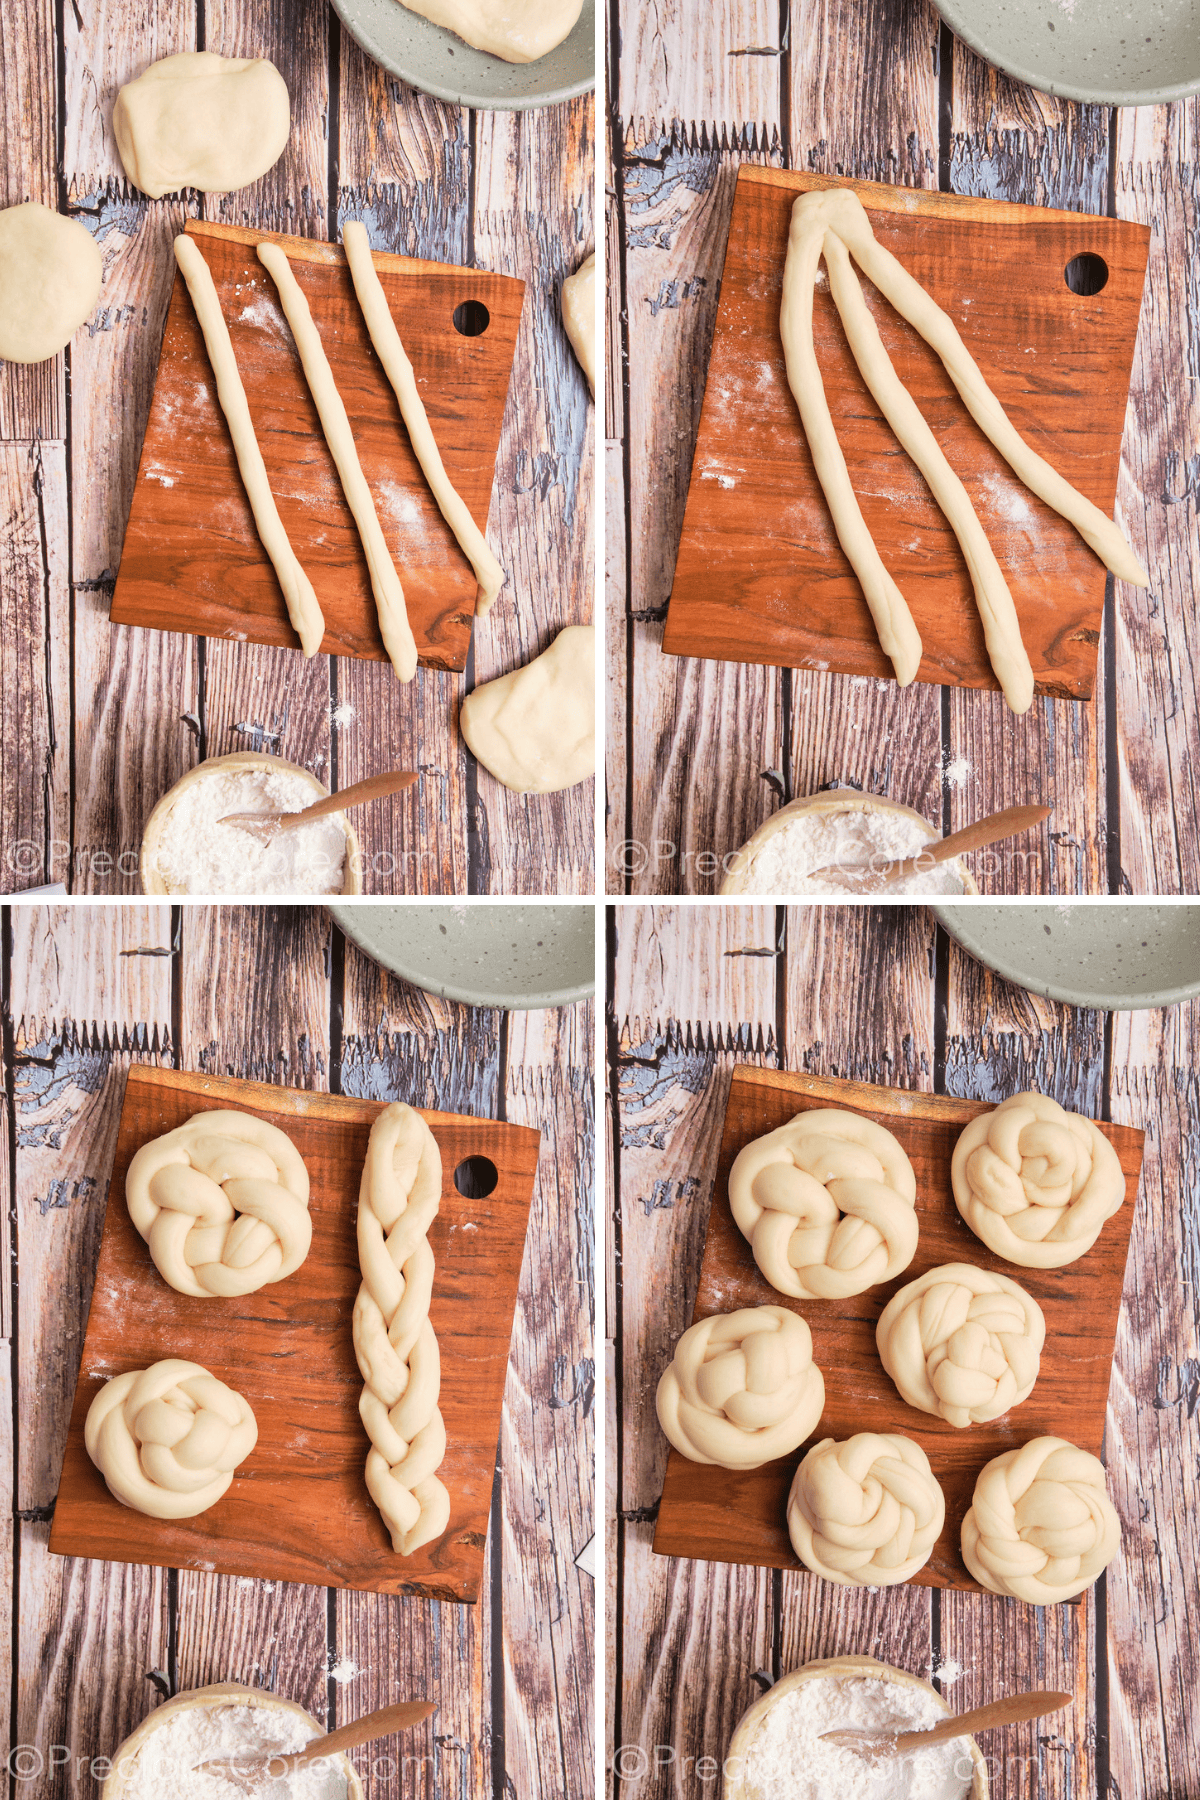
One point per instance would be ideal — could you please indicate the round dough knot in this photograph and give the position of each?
(962, 1342)
(867, 1512)
(167, 1439)
(1036, 1183)
(222, 1201)
(742, 1388)
(828, 1203)
(1041, 1525)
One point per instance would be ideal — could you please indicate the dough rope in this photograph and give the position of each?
(167, 1439)
(1041, 1525)
(394, 1342)
(742, 1388)
(866, 1512)
(303, 607)
(1034, 1182)
(962, 1343)
(827, 1203)
(222, 1202)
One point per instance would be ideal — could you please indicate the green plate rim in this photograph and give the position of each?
(953, 14)
(947, 915)
(345, 914)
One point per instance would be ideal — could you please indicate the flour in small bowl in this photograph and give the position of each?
(166, 1766)
(789, 861)
(196, 854)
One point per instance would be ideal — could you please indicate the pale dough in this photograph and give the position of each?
(394, 1342)
(50, 275)
(303, 607)
(579, 316)
(196, 120)
(1041, 1525)
(519, 31)
(222, 1201)
(394, 628)
(828, 1204)
(962, 1343)
(866, 1512)
(742, 1388)
(535, 729)
(385, 338)
(1036, 1183)
(167, 1439)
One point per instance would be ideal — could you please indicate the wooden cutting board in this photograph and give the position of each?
(298, 1509)
(718, 1515)
(761, 576)
(192, 560)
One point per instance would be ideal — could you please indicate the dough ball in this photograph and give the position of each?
(518, 31)
(167, 1439)
(1041, 1525)
(1036, 1183)
(962, 1343)
(50, 272)
(865, 1513)
(197, 120)
(742, 1388)
(535, 729)
(579, 316)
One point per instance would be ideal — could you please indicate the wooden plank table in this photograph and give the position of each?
(101, 720)
(276, 994)
(700, 753)
(880, 995)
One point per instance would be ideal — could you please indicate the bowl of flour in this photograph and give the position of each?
(799, 848)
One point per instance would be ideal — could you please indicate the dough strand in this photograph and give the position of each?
(303, 607)
(385, 582)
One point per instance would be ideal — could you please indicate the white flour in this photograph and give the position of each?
(786, 862)
(787, 1759)
(165, 1767)
(197, 855)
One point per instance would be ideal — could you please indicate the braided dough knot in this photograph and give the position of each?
(394, 1342)
(866, 1512)
(742, 1389)
(222, 1201)
(962, 1342)
(167, 1439)
(828, 1204)
(1041, 1525)
(1036, 1183)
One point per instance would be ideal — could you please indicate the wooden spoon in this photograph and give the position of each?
(375, 787)
(991, 830)
(248, 1773)
(1010, 1711)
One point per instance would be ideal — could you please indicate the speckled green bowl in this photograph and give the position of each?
(1130, 54)
(1116, 956)
(519, 957)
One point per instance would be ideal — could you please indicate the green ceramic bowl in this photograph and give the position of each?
(1116, 955)
(1123, 55)
(519, 957)
(438, 63)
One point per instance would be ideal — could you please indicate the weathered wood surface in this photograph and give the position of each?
(877, 994)
(132, 709)
(701, 752)
(275, 994)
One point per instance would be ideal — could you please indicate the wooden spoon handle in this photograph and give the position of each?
(375, 787)
(383, 1723)
(1009, 1711)
(989, 831)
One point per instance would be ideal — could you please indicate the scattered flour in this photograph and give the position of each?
(948, 1671)
(343, 714)
(812, 841)
(197, 855)
(343, 1671)
(956, 773)
(165, 1767)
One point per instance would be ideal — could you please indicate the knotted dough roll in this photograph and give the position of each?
(167, 1439)
(742, 1388)
(962, 1343)
(866, 1512)
(1036, 1183)
(1041, 1525)
(828, 1204)
(222, 1201)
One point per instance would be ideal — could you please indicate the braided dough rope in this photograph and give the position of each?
(867, 1512)
(394, 1342)
(828, 1203)
(167, 1439)
(222, 1201)
(742, 1388)
(962, 1343)
(1041, 1525)
(1036, 1183)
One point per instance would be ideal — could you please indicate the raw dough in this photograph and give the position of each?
(304, 610)
(535, 729)
(742, 1388)
(196, 120)
(167, 1439)
(1041, 1525)
(222, 1202)
(520, 31)
(828, 1203)
(394, 1342)
(579, 316)
(962, 1343)
(385, 338)
(50, 274)
(1036, 1183)
(394, 628)
(867, 1512)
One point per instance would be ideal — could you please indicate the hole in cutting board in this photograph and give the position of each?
(475, 1177)
(472, 318)
(1086, 274)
